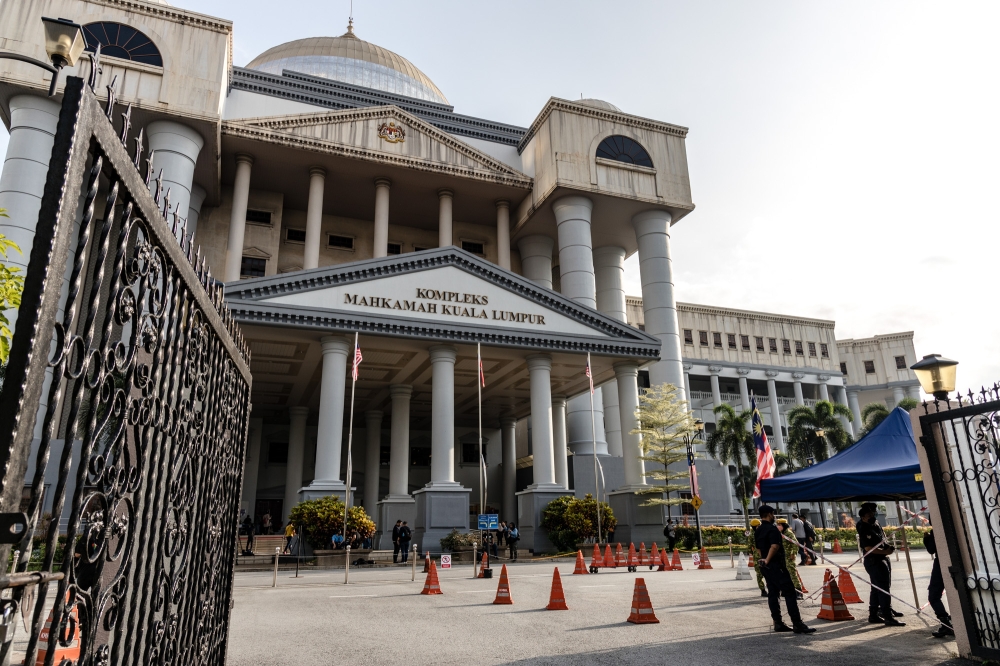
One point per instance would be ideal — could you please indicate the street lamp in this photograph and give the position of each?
(64, 44)
(699, 427)
(936, 375)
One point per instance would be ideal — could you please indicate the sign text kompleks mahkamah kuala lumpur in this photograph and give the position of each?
(453, 303)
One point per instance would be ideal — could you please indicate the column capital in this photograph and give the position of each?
(564, 208)
(651, 221)
(771, 374)
(687, 367)
(335, 344)
(798, 376)
(244, 158)
(298, 412)
(824, 378)
(535, 246)
(442, 353)
(539, 361)
(317, 171)
(400, 390)
(383, 182)
(502, 203)
(626, 368)
(444, 192)
(714, 369)
(852, 392)
(608, 255)
(558, 398)
(508, 421)
(743, 372)
(373, 415)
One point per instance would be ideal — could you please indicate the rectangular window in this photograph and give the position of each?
(259, 217)
(745, 343)
(419, 249)
(900, 365)
(812, 350)
(384, 454)
(643, 380)
(824, 351)
(473, 247)
(731, 339)
(786, 346)
(688, 340)
(703, 338)
(870, 367)
(843, 370)
(686, 508)
(717, 340)
(277, 453)
(340, 242)
(295, 235)
(396, 248)
(470, 453)
(760, 343)
(420, 456)
(252, 267)
(772, 344)
(798, 348)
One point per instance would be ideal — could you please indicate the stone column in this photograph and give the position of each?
(539, 371)
(503, 234)
(238, 217)
(714, 371)
(855, 405)
(797, 387)
(175, 149)
(251, 468)
(399, 452)
(442, 415)
(508, 428)
(687, 382)
(744, 389)
(824, 391)
(772, 394)
(848, 425)
(296, 452)
(627, 375)
(329, 437)
(913, 392)
(652, 231)
(445, 234)
(609, 271)
(314, 217)
(373, 444)
(897, 395)
(198, 195)
(380, 247)
(559, 440)
(576, 256)
(536, 259)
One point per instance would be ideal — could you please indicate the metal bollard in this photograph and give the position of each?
(274, 581)
(473, 560)
(413, 564)
(347, 563)
(732, 562)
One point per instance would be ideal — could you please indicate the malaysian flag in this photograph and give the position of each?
(693, 475)
(590, 376)
(765, 458)
(482, 375)
(357, 360)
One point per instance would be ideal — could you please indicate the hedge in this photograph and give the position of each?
(715, 536)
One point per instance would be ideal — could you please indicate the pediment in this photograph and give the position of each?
(381, 133)
(439, 294)
(256, 253)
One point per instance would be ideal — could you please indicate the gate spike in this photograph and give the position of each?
(138, 148)
(159, 187)
(166, 205)
(173, 227)
(126, 123)
(109, 110)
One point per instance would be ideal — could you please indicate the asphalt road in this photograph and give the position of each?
(706, 617)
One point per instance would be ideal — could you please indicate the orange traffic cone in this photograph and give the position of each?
(432, 585)
(557, 600)
(619, 556)
(427, 562)
(836, 546)
(654, 557)
(596, 561)
(503, 589)
(631, 561)
(802, 586)
(704, 564)
(675, 565)
(71, 653)
(833, 607)
(642, 553)
(642, 608)
(482, 566)
(847, 590)
(609, 559)
(750, 559)
(581, 566)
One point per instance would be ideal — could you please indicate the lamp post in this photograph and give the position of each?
(936, 375)
(699, 427)
(64, 44)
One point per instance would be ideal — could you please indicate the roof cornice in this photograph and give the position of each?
(750, 314)
(555, 104)
(903, 335)
(169, 13)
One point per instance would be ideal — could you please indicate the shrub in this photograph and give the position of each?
(569, 520)
(318, 520)
(457, 540)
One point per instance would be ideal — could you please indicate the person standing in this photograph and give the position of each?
(513, 536)
(877, 551)
(799, 530)
(395, 541)
(670, 532)
(810, 530)
(611, 533)
(791, 547)
(289, 534)
(265, 523)
(754, 524)
(936, 589)
(779, 583)
(404, 541)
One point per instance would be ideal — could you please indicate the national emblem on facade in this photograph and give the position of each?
(391, 132)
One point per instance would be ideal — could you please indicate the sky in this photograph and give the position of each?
(843, 156)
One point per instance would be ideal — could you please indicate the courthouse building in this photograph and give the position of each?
(334, 189)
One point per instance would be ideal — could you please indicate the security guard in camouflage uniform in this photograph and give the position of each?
(754, 524)
(791, 553)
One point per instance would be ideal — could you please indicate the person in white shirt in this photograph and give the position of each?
(799, 530)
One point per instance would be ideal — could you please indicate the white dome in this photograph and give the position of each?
(599, 104)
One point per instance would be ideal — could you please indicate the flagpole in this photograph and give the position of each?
(350, 435)
(593, 433)
(479, 391)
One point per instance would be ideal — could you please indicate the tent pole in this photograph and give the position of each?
(906, 549)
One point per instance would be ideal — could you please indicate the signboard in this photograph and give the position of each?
(445, 561)
(489, 521)
(696, 560)
(696, 502)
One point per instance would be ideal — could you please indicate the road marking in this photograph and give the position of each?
(597, 586)
(475, 592)
(349, 596)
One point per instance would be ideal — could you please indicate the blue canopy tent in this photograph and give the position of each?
(882, 465)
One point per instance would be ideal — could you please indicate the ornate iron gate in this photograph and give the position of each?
(962, 441)
(127, 367)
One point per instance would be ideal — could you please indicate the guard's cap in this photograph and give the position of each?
(783, 521)
(765, 510)
(866, 507)
(755, 522)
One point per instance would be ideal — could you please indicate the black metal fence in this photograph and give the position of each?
(962, 441)
(127, 363)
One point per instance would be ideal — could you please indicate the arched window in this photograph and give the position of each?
(623, 149)
(122, 41)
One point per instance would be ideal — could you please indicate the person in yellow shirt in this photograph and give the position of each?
(289, 533)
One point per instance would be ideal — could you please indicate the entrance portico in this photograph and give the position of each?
(420, 317)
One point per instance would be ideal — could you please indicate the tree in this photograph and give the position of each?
(665, 424)
(11, 286)
(732, 444)
(803, 424)
(876, 412)
(319, 519)
(569, 520)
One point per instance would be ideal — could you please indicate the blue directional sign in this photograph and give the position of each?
(489, 521)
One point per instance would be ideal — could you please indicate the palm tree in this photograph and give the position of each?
(876, 412)
(812, 429)
(732, 444)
